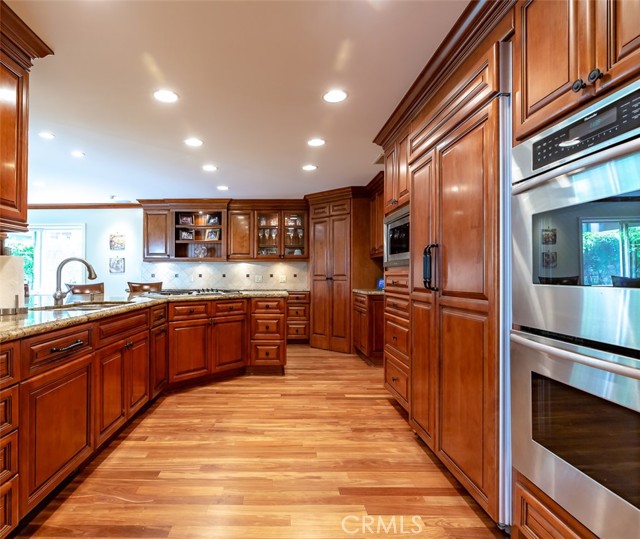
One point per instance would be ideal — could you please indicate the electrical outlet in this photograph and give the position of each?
(258, 278)
(283, 278)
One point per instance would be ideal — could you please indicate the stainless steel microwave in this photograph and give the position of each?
(396, 238)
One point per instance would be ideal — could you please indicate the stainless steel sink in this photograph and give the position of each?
(82, 306)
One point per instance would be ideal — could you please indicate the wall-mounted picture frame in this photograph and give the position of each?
(213, 219)
(186, 234)
(116, 242)
(549, 236)
(212, 234)
(185, 219)
(116, 265)
(550, 259)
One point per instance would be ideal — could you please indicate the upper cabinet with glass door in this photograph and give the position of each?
(281, 234)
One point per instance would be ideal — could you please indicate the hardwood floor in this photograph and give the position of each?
(320, 453)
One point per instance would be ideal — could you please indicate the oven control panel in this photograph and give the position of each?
(615, 119)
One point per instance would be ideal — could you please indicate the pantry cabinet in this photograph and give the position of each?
(19, 46)
(566, 53)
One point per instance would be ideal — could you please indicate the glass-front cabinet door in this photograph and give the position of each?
(281, 234)
(268, 236)
(294, 234)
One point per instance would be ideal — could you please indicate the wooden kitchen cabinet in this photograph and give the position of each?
(19, 46)
(241, 235)
(189, 345)
(368, 325)
(229, 342)
(298, 316)
(340, 261)
(56, 427)
(158, 350)
(268, 348)
(122, 371)
(156, 234)
(566, 52)
(396, 178)
(376, 216)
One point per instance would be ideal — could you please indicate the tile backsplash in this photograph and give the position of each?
(229, 275)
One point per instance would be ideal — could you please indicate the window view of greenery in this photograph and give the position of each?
(43, 248)
(610, 247)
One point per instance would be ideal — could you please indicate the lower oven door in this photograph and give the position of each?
(576, 430)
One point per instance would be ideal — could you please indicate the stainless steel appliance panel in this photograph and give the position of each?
(600, 313)
(615, 379)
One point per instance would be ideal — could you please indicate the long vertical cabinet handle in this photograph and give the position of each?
(427, 262)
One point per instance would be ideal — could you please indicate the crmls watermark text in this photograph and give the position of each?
(381, 524)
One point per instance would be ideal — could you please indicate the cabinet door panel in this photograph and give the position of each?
(424, 371)
(188, 350)
(320, 313)
(468, 174)
(13, 151)
(404, 185)
(617, 41)
(422, 229)
(340, 316)
(320, 256)
(467, 403)
(229, 343)
(159, 355)
(137, 373)
(110, 401)
(552, 50)
(56, 428)
(240, 234)
(340, 247)
(390, 180)
(157, 234)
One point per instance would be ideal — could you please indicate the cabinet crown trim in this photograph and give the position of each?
(17, 37)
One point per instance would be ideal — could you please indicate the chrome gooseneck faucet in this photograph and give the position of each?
(59, 295)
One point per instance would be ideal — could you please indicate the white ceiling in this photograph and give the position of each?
(250, 75)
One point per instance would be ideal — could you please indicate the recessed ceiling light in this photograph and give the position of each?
(316, 142)
(193, 142)
(209, 167)
(223, 187)
(78, 154)
(46, 135)
(335, 96)
(165, 96)
(309, 167)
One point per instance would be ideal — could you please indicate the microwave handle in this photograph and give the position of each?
(426, 267)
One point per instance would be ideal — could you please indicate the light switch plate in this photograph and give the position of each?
(283, 278)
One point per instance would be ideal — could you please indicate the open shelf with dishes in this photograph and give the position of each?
(200, 234)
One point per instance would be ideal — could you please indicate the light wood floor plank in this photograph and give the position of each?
(320, 453)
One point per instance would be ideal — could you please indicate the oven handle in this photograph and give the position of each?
(559, 353)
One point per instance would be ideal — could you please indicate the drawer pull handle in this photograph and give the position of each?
(394, 337)
(394, 282)
(72, 346)
(394, 305)
(231, 308)
(394, 378)
(191, 311)
(161, 317)
(266, 354)
(267, 306)
(267, 328)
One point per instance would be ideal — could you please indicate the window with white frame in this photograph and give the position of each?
(43, 247)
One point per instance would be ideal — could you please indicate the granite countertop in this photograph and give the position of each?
(36, 321)
(368, 291)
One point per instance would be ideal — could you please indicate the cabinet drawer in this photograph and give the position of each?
(8, 456)
(396, 335)
(297, 330)
(116, 327)
(188, 310)
(396, 305)
(226, 307)
(298, 311)
(55, 347)
(268, 353)
(9, 364)
(267, 327)
(360, 300)
(267, 305)
(298, 297)
(396, 282)
(396, 377)
(9, 506)
(158, 315)
(9, 417)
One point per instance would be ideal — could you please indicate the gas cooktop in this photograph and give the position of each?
(193, 291)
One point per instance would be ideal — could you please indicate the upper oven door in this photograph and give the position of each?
(576, 248)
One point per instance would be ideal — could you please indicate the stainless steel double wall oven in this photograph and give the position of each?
(575, 360)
